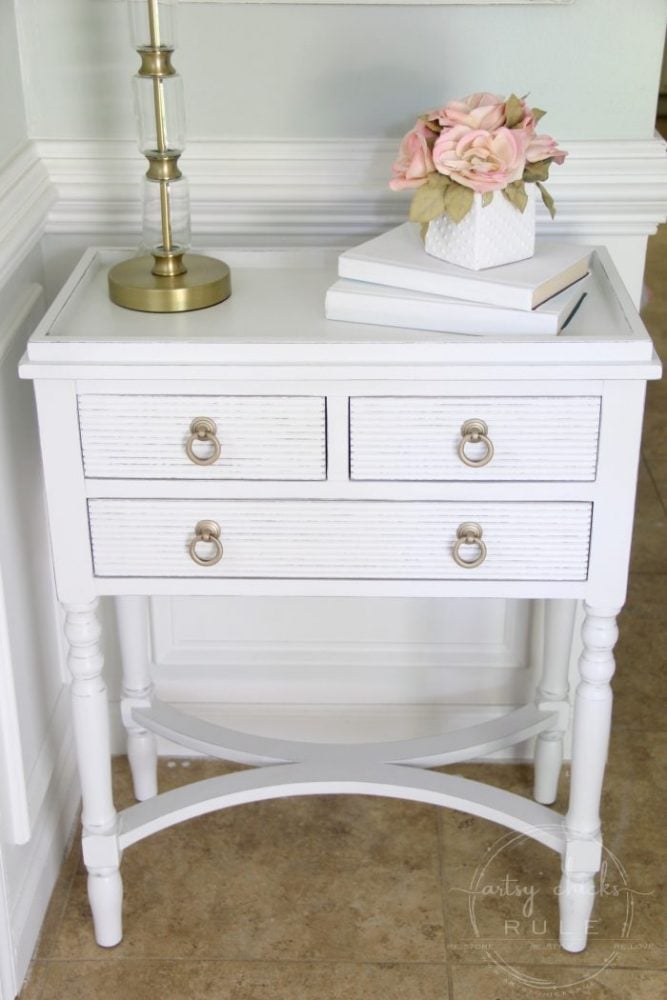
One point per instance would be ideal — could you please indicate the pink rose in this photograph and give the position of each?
(528, 121)
(481, 160)
(543, 147)
(482, 110)
(414, 162)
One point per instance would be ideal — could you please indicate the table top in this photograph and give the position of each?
(275, 316)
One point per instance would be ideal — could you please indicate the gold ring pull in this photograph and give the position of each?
(203, 429)
(209, 533)
(469, 533)
(473, 432)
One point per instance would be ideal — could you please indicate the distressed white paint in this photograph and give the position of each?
(533, 438)
(360, 539)
(337, 543)
(260, 437)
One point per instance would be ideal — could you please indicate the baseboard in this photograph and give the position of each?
(42, 858)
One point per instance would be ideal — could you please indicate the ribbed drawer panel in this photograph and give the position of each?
(340, 539)
(261, 437)
(534, 438)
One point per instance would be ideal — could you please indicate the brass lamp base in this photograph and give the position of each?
(206, 282)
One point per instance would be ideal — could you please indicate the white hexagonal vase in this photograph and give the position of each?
(487, 236)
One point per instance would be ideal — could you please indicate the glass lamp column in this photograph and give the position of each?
(170, 279)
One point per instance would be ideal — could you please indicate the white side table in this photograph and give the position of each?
(255, 448)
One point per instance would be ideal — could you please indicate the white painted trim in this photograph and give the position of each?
(14, 798)
(14, 811)
(39, 861)
(26, 195)
(9, 986)
(46, 850)
(308, 659)
(47, 763)
(328, 191)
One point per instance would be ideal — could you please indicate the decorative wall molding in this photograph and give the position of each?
(332, 652)
(41, 859)
(15, 800)
(330, 191)
(26, 195)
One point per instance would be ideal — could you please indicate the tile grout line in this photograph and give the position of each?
(440, 839)
(73, 849)
(655, 485)
(441, 873)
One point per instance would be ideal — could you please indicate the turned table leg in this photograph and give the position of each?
(552, 693)
(91, 733)
(592, 721)
(132, 614)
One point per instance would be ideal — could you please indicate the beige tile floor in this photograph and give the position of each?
(355, 897)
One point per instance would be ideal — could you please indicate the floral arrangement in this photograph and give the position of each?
(479, 144)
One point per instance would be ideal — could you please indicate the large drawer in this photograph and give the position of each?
(294, 539)
(526, 438)
(259, 437)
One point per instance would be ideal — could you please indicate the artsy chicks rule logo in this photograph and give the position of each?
(512, 902)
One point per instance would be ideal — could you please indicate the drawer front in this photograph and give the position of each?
(146, 437)
(527, 438)
(292, 539)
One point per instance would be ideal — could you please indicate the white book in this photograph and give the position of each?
(364, 302)
(397, 258)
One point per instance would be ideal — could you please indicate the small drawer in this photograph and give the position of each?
(474, 438)
(203, 437)
(292, 539)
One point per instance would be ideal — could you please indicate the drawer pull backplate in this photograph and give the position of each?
(207, 532)
(475, 432)
(205, 430)
(469, 533)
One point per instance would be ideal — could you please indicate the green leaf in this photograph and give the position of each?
(537, 113)
(537, 171)
(458, 201)
(516, 195)
(487, 198)
(547, 199)
(514, 113)
(428, 202)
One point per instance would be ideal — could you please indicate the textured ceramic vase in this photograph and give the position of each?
(487, 236)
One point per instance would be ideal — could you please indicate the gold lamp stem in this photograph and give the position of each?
(154, 23)
(162, 266)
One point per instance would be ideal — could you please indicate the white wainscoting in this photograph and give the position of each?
(38, 785)
(334, 192)
(26, 195)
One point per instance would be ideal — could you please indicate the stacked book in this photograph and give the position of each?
(392, 281)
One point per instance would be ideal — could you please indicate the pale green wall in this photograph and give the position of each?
(13, 131)
(283, 72)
